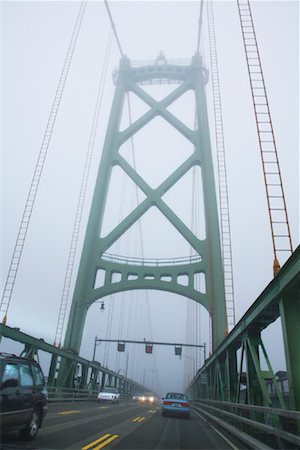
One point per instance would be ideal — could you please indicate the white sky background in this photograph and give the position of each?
(34, 43)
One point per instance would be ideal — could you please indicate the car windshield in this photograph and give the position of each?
(107, 389)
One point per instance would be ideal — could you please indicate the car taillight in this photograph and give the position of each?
(167, 403)
(185, 404)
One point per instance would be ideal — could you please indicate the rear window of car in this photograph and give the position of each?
(10, 372)
(176, 396)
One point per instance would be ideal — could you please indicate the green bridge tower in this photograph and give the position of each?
(208, 261)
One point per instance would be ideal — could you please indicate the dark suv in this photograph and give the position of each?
(23, 395)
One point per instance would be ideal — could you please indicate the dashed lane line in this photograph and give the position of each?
(138, 419)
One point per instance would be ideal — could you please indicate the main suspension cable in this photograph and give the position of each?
(222, 172)
(82, 194)
(280, 229)
(113, 27)
(199, 25)
(193, 315)
(19, 245)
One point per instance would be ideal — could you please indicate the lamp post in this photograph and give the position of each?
(97, 342)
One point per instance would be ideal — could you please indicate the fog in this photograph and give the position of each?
(35, 39)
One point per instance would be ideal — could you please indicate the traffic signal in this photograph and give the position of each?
(121, 346)
(148, 348)
(178, 350)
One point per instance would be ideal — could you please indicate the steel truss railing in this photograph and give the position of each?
(234, 379)
(89, 375)
(152, 261)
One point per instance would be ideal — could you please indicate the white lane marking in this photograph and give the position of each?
(217, 431)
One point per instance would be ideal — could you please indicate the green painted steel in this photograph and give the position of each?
(234, 373)
(93, 375)
(289, 306)
(144, 276)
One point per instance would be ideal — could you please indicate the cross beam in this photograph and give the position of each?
(146, 342)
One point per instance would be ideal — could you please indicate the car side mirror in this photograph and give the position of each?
(10, 383)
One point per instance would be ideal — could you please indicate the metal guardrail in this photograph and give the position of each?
(257, 426)
(152, 62)
(56, 394)
(152, 261)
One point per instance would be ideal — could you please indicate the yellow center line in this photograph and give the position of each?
(112, 438)
(64, 413)
(86, 447)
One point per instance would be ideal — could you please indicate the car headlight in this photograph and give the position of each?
(151, 399)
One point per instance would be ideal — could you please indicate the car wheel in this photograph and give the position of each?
(32, 428)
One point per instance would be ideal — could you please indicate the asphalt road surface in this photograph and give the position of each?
(124, 426)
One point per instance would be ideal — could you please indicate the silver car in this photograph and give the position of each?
(109, 394)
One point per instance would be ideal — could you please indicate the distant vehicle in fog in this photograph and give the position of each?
(148, 398)
(109, 394)
(136, 396)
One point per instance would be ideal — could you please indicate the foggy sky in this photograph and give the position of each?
(35, 38)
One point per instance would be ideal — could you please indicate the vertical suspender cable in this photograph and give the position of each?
(193, 317)
(222, 172)
(17, 253)
(82, 194)
(280, 230)
(193, 310)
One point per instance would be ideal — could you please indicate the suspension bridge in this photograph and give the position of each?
(152, 214)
